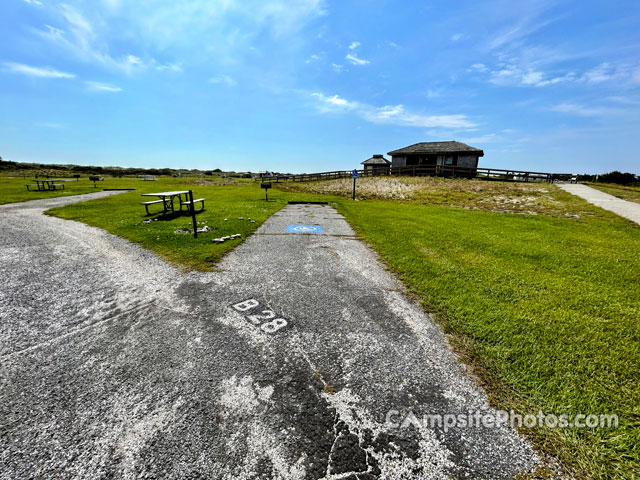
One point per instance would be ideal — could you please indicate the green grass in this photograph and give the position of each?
(13, 189)
(124, 216)
(546, 309)
(630, 193)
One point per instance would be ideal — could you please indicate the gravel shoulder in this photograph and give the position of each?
(285, 364)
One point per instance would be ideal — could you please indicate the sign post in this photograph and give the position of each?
(354, 174)
(266, 186)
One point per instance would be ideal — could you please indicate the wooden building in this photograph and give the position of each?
(436, 153)
(377, 163)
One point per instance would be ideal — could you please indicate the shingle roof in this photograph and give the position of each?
(376, 160)
(437, 147)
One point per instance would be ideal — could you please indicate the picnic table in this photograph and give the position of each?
(45, 185)
(167, 198)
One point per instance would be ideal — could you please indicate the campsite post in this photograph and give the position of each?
(354, 174)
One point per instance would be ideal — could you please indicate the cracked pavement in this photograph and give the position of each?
(285, 364)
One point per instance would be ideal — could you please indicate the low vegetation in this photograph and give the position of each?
(625, 192)
(524, 198)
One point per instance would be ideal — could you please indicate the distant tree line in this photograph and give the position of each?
(620, 178)
(6, 165)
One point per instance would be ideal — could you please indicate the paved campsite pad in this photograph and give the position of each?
(284, 364)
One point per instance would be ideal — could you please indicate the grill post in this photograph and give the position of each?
(192, 209)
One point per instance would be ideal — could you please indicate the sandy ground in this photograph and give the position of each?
(286, 364)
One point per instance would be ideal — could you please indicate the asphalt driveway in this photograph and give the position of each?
(289, 363)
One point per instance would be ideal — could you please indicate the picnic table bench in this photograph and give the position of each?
(46, 185)
(151, 202)
(167, 199)
(187, 203)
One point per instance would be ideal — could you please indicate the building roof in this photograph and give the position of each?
(437, 147)
(376, 160)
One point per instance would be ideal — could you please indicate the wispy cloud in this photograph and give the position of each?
(43, 72)
(457, 37)
(312, 58)
(354, 45)
(353, 58)
(172, 67)
(80, 38)
(521, 23)
(583, 110)
(102, 87)
(391, 114)
(478, 67)
(338, 68)
(487, 138)
(223, 79)
(33, 2)
(513, 75)
(607, 72)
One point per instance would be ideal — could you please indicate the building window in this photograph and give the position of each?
(448, 160)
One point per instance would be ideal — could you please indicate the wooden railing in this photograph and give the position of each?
(428, 170)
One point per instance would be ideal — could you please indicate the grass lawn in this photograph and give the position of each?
(629, 193)
(545, 307)
(225, 199)
(13, 189)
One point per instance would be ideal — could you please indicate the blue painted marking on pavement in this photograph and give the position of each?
(304, 229)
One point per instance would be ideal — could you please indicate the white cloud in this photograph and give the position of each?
(478, 67)
(520, 23)
(582, 110)
(337, 68)
(81, 39)
(353, 58)
(606, 72)
(195, 31)
(512, 75)
(456, 37)
(354, 45)
(223, 79)
(391, 114)
(487, 138)
(333, 103)
(172, 67)
(33, 2)
(102, 87)
(312, 58)
(43, 72)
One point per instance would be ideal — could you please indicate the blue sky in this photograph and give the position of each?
(312, 85)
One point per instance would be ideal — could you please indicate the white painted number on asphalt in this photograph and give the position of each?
(246, 305)
(266, 319)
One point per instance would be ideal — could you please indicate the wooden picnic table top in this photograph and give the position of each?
(165, 194)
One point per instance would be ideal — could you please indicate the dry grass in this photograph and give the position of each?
(506, 197)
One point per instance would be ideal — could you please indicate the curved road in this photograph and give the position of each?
(299, 359)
